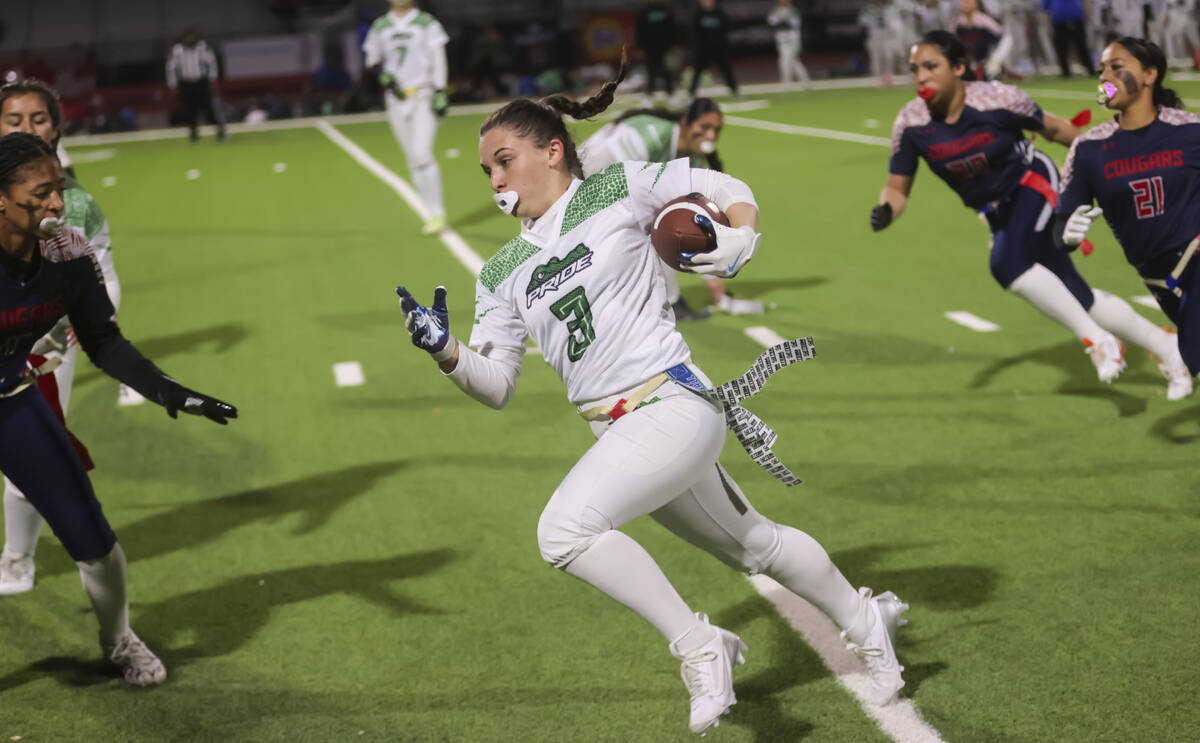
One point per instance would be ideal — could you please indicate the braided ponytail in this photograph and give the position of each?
(541, 122)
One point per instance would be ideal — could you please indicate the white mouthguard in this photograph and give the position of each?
(52, 225)
(506, 201)
(708, 147)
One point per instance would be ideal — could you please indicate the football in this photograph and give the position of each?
(676, 231)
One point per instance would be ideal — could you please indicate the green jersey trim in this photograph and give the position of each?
(501, 265)
(596, 193)
(422, 20)
(81, 209)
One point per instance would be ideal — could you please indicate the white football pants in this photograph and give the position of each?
(790, 65)
(22, 522)
(414, 125)
(662, 460)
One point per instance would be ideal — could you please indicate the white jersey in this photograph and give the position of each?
(409, 47)
(786, 22)
(583, 281)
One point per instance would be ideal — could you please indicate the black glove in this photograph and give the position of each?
(881, 216)
(196, 403)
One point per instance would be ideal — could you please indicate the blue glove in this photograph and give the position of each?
(428, 326)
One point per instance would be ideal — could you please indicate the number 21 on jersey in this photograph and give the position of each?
(1148, 198)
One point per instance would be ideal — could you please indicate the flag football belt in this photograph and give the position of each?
(1171, 283)
(32, 374)
(1038, 183)
(755, 436)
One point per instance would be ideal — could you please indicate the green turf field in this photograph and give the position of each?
(361, 563)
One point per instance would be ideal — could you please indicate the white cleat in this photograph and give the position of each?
(434, 225)
(140, 665)
(708, 675)
(740, 306)
(16, 573)
(1108, 356)
(878, 651)
(1179, 379)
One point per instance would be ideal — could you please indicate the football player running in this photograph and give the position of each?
(972, 135)
(47, 272)
(659, 136)
(582, 280)
(406, 49)
(31, 106)
(1143, 171)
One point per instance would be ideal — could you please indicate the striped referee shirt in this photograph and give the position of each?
(191, 64)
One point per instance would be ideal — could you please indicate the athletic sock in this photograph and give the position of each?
(22, 522)
(803, 567)
(104, 583)
(699, 634)
(1115, 315)
(619, 567)
(1044, 290)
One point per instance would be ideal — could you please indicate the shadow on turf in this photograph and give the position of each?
(66, 670)
(1081, 379)
(215, 340)
(223, 618)
(942, 587)
(315, 498)
(1181, 427)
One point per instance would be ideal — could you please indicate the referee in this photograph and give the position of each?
(192, 71)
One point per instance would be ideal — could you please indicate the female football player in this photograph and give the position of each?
(1143, 170)
(581, 278)
(972, 135)
(47, 272)
(31, 106)
(658, 136)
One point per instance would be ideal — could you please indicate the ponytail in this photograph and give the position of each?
(541, 122)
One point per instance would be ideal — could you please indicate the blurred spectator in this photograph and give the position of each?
(192, 73)
(1066, 16)
(657, 32)
(784, 20)
(984, 39)
(710, 44)
(330, 84)
(884, 30)
(484, 64)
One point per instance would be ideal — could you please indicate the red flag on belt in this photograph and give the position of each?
(49, 389)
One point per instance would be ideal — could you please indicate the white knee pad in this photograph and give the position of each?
(762, 547)
(564, 536)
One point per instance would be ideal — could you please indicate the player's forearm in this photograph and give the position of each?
(1059, 130)
(895, 198)
(439, 68)
(742, 214)
(489, 377)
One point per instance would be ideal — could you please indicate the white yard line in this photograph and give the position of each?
(764, 335)
(808, 131)
(900, 720)
(451, 239)
(348, 374)
(974, 322)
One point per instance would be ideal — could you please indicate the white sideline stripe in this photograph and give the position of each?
(900, 720)
(974, 322)
(1147, 300)
(348, 374)
(94, 156)
(473, 109)
(764, 335)
(808, 131)
(451, 239)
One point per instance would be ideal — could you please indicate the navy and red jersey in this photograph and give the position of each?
(64, 278)
(1146, 180)
(983, 155)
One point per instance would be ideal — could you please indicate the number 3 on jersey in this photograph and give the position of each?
(1148, 197)
(574, 308)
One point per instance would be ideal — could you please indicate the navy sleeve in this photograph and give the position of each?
(93, 319)
(905, 157)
